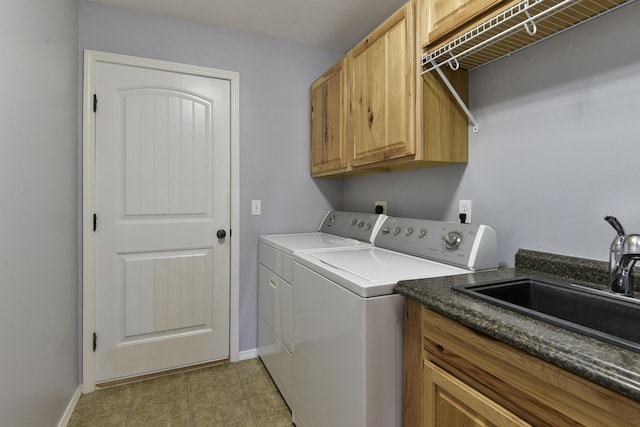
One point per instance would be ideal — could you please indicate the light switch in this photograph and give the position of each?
(256, 207)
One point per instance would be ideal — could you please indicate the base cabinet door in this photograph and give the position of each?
(451, 402)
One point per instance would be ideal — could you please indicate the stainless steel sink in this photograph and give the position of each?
(598, 314)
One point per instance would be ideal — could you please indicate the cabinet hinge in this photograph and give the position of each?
(95, 341)
(95, 102)
(95, 222)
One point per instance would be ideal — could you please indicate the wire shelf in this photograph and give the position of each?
(526, 23)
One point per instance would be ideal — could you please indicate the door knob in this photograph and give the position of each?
(221, 234)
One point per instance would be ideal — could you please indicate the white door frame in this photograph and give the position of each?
(91, 57)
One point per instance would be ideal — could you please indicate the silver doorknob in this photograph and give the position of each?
(221, 234)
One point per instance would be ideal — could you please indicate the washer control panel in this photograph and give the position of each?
(469, 246)
(354, 225)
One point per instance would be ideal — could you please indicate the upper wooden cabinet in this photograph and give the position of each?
(382, 70)
(373, 111)
(330, 152)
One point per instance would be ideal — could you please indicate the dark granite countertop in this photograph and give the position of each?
(610, 366)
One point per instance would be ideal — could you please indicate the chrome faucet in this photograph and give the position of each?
(630, 254)
(623, 254)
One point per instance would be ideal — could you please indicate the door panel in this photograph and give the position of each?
(166, 291)
(163, 178)
(162, 191)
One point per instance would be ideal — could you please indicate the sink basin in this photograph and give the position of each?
(598, 314)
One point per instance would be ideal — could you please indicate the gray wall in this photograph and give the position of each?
(38, 211)
(558, 146)
(274, 121)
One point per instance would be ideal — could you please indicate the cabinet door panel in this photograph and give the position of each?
(382, 91)
(450, 402)
(329, 142)
(369, 90)
(399, 108)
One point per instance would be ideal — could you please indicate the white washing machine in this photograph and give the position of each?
(338, 230)
(348, 364)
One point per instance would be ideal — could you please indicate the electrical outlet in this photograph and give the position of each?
(384, 207)
(465, 208)
(256, 207)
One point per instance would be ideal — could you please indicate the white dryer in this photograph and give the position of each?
(338, 230)
(348, 361)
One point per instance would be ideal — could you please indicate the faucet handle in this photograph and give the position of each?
(613, 221)
(631, 245)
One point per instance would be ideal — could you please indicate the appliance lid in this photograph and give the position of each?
(290, 243)
(372, 271)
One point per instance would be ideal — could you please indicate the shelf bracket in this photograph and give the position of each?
(459, 100)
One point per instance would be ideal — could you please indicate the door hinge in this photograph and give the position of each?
(95, 102)
(95, 222)
(95, 341)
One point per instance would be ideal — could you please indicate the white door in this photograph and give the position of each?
(162, 194)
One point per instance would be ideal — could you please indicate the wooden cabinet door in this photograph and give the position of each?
(450, 402)
(444, 17)
(382, 84)
(329, 113)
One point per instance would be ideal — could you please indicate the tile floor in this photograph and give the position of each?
(232, 394)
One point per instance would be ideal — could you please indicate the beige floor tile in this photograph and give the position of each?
(206, 374)
(159, 399)
(184, 420)
(254, 377)
(230, 395)
(221, 389)
(84, 419)
(249, 367)
(233, 414)
(270, 410)
(258, 384)
(107, 401)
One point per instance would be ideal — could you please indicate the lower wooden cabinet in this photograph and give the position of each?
(456, 376)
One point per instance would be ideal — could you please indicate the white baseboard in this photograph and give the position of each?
(248, 354)
(70, 407)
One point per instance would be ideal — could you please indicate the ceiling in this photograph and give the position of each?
(330, 24)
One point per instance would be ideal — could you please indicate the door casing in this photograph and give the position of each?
(91, 57)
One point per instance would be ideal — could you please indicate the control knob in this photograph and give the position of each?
(331, 220)
(409, 231)
(452, 240)
(396, 231)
